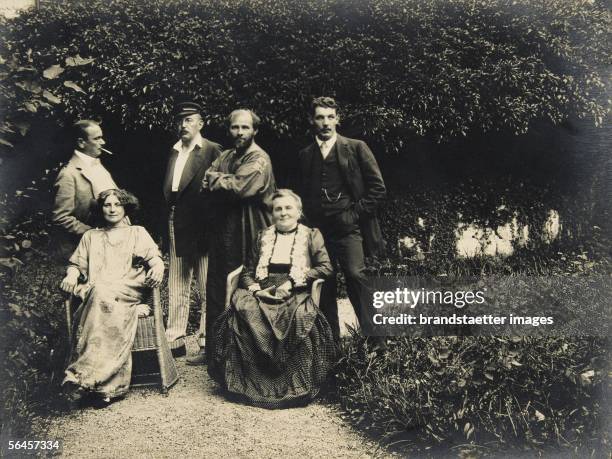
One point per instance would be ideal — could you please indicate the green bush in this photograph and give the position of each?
(32, 333)
(431, 218)
(483, 392)
(427, 68)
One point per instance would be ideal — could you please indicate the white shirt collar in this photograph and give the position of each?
(88, 160)
(198, 140)
(329, 142)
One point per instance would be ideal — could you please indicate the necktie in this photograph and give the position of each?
(323, 148)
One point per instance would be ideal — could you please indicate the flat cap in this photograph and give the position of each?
(187, 108)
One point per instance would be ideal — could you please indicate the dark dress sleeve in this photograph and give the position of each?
(319, 258)
(247, 276)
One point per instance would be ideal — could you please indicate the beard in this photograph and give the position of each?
(243, 144)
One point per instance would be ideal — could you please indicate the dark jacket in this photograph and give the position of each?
(192, 208)
(362, 175)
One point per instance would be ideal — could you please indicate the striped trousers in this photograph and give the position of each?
(182, 270)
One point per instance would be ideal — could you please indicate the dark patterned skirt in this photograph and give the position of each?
(272, 355)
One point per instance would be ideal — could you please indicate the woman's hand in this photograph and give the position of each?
(267, 293)
(70, 281)
(254, 287)
(155, 274)
(284, 290)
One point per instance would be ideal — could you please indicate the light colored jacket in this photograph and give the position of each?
(73, 198)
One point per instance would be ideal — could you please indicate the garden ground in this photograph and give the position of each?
(195, 420)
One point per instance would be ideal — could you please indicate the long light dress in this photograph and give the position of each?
(105, 323)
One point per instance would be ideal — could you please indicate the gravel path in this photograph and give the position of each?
(195, 420)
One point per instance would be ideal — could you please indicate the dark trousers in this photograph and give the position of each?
(215, 299)
(224, 256)
(345, 247)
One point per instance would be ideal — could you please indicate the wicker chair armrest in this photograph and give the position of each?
(315, 291)
(232, 284)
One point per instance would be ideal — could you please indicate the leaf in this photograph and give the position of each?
(23, 127)
(539, 416)
(26, 244)
(489, 376)
(51, 97)
(11, 263)
(30, 107)
(6, 142)
(78, 60)
(29, 85)
(73, 85)
(585, 378)
(53, 72)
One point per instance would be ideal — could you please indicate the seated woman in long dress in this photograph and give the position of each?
(118, 262)
(274, 346)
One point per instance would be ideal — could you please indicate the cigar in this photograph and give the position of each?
(108, 152)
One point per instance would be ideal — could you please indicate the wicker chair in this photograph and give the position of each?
(234, 277)
(150, 336)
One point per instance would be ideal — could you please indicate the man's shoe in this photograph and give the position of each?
(101, 402)
(198, 359)
(179, 351)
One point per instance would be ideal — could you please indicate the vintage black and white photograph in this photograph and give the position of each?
(305, 228)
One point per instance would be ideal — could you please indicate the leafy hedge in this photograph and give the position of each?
(481, 393)
(402, 67)
(431, 217)
(32, 333)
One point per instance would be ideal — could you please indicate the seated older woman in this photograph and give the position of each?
(274, 346)
(118, 262)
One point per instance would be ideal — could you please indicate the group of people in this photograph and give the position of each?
(273, 346)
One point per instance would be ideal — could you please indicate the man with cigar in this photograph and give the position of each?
(240, 182)
(188, 225)
(341, 186)
(78, 184)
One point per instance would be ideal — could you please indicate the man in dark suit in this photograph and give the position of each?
(188, 220)
(341, 186)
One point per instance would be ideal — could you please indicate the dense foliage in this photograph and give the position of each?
(435, 68)
(32, 336)
(32, 332)
(432, 220)
(478, 394)
(403, 69)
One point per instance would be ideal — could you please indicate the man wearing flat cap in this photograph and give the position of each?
(188, 220)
